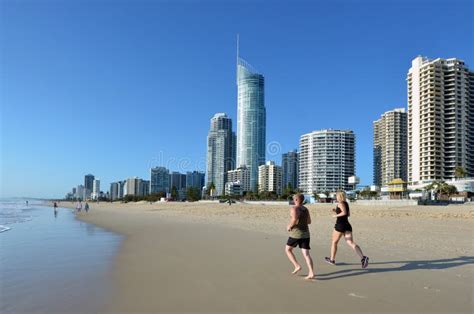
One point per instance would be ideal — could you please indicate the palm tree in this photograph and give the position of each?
(460, 172)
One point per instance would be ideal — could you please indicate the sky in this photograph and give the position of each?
(113, 88)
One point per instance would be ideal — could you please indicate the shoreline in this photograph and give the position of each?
(54, 263)
(215, 258)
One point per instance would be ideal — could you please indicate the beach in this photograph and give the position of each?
(211, 257)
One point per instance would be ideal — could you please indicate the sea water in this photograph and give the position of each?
(50, 261)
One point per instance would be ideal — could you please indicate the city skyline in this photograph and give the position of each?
(47, 140)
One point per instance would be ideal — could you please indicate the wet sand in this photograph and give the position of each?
(188, 257)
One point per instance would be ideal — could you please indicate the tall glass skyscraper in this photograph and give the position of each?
(251, 119)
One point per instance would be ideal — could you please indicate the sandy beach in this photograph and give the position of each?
(203, 257)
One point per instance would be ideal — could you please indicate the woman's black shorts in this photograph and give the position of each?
(343, 227)
(302, 243)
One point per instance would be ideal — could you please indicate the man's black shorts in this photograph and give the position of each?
(302, 243)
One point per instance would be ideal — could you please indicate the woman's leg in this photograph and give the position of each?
(350, 242)
(336, 235)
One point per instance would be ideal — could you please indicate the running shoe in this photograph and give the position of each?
(365, 262)
(329, 261)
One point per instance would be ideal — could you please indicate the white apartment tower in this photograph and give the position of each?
(440, 119)
(241, 176)
(390, 147)
(326, 160)
(270, 178)
(95, 189)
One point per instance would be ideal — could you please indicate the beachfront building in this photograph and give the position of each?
(114, 191)
(80, 192)
(326, 160)
(121, 189)
(240, 176)
(269, 178)
(220, 152)
(159, 180)
(195, 179)
(178, 182)
(251, 120)
(440, 119)
(144, 187)
(88, 185)
(134, 186)
(390, 147)
(233, 188)
(289, 165)
(95, 189)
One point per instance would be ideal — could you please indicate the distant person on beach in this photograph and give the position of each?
(344, 228)
(79, 206)
(86, 207)
(299, 235)
(26, 203)
(55, 205)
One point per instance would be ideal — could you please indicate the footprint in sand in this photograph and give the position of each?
(352, 294)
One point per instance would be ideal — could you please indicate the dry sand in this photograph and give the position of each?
(189, 257)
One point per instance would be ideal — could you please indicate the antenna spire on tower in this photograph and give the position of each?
(238, 47)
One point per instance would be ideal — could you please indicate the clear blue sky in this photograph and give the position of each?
(115, 87)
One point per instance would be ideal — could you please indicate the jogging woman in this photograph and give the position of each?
(344, 228)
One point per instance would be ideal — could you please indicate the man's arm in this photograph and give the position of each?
(293, 219)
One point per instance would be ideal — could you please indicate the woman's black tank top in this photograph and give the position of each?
(343, 219)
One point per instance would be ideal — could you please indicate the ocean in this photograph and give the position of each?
(50, 262)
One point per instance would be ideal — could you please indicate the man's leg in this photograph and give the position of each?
(309, 262)
(292, 258)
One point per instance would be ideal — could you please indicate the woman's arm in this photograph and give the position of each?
(309, 218)
(343, 210)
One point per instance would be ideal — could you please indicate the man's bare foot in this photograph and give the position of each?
(297, 269)
(310, 277)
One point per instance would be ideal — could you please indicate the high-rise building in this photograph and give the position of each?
(136, 187)
(144, 187)
(390, 147)
(121, 189)
(177, 180)
(289, 165)
(88, 185)
(114, 191)
(195, 179)
(240, 176)
(221, 143)
(440, 119)
(269, 178)
(95, 189)
(80, 192)
(326, 160)
(251, 119)
(159, 180)
(132, 186)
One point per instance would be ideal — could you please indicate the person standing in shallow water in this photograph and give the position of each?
(344, 228)
(78, 206)
(299, 235)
